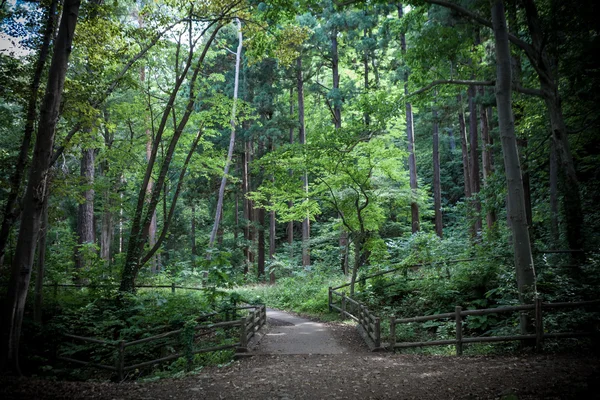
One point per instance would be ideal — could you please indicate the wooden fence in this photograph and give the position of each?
(369, 325)
(248, 326)
(459, 313)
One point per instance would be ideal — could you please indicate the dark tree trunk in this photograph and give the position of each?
(410, 140)
(261, 241)
(517, 215)
(41, 266)
(337, 107)
(464, 147)
(85, 216)
(474, 161)
(36, 192)
(290, 227)
(437, 189)
(302, 140)
(486, 158)
(11, 208)
(553, 195)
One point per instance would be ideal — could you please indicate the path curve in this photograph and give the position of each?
(290, 334)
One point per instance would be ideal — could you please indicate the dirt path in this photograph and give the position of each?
(340, 367)
(290, 334)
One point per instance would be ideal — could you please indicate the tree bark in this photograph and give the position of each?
(553, 195)
(410, 141)
(474, 162)
(11, 208)
(36, 192)
(525, 272)
(238, 57)
(464, 147)
(302, 141)
(290, 227)
(41, 266)
(486, 158)
(437, 189)
(85, 215)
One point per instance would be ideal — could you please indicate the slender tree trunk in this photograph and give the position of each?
(553, 195)
(474, 161)
(486, 159)
(193, 234)
(366, 69)
(238, 57)
(437, 185)
(41, 266)
(290, 227)
(247, 206)
(85, 216)
(547, 72)
(11, 208)
(302, 141)
(410, 140)
(464, 147)
(36, 192)
(525, 272)
(261, 242)
(337, 107)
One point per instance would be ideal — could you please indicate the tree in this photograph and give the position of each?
(36, 193)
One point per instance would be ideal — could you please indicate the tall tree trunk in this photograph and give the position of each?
(193, 234)
(302, 141)
(474, 161)
(238, 57)
(464, 147)
(41, 266)
(437, 185)
(525, 272)
(486, 158)
(261, 241)
(247, 205)
(290, 227)
(366, 69)
(36, 192)
(553, 195)
(549, 85)
(410, 140)
(11, 208)
(85, 216)
(337, 107)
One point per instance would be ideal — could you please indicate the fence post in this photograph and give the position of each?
(377, 332)
(173, 287)
(539, 325)
(392, 333)
(343, 307)
(330, 299)
(459, 344)
(121, 360)
(243, 336)
(264, 312)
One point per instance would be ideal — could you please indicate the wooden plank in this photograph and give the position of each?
(87, 339)
(151, 338)
(485, 311)
(422, 344)
(86, 363)
(485, 339)
(425, 318)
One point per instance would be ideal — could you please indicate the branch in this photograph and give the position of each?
(526, 47)
(516, 88)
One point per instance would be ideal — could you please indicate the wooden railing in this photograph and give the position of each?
(369, 325)
(459, 313)
(248, 326)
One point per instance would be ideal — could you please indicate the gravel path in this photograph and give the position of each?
(290, 334)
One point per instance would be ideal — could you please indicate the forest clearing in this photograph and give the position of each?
(419, 179)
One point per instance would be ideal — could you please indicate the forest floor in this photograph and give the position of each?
(296, 358)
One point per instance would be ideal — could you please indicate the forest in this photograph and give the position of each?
(169, 159)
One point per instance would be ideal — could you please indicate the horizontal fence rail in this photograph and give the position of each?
(247, 325)
(459, 313)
